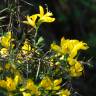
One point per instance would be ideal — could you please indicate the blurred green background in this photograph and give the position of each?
(75, 19)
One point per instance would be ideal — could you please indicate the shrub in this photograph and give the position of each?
(27, 70)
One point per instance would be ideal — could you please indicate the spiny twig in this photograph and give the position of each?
(27, 2)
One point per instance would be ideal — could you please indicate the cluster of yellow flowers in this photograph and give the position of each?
(5, 42)
(10, 83)
(71, 47)
(49, 85)
(32, 20)
(7, 45)
(33, 89)
(46, 83)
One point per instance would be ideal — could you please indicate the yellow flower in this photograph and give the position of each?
(10, 84)
(46, 83)
(17, 78)
(78, 67)
(5, 40)
(31, 20)
(56, 84)
(55, 47)
(70, 47)
(31, 86)
(45, 17)
(71, 61)
(3, 83)
(57, 81)
(49, 85)
(64, 48)
(67, 45)
(77, 47)
(65, 92)
(26, 47)
(76, 70)
(4, 52)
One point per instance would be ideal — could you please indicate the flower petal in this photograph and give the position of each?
(32, 23)
(41, 10)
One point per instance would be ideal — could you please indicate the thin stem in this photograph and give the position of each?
(27, 3)
(38, 69)
(35, 36)
(3, 10)
(27, 70)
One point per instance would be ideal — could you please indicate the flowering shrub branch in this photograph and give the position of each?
(28, 71)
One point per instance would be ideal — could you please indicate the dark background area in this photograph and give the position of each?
(75, 19)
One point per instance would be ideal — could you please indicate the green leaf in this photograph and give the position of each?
(40, 41)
